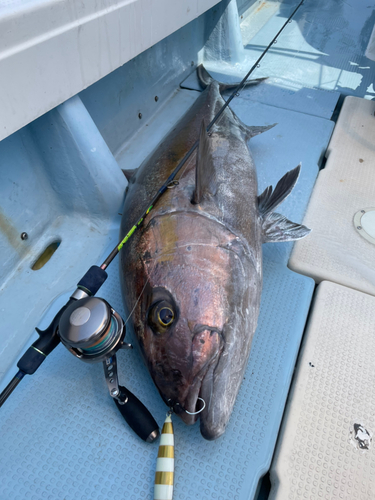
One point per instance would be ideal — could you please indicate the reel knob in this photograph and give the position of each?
(91, 329)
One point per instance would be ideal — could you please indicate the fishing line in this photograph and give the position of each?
(187, 156)
(140, 295)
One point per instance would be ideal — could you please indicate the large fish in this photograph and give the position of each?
(192, 275)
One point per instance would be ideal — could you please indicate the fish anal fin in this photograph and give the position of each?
(205, 178)
(276, 227)
(271, 198)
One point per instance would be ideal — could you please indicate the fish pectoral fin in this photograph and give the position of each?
(271, 198)
(276, 227)
(205, 178)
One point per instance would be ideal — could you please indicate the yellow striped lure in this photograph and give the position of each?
(164, 473)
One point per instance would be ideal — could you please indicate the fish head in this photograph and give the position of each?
(194, 318)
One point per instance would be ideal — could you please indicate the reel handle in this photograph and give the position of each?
(137, 416)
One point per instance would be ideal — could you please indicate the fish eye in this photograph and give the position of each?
(165, 316)
(161, 315)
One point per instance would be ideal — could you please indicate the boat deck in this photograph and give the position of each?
(62, 436)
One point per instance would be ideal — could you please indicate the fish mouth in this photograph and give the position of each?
(198, 398)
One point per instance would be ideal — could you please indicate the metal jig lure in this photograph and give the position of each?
(164, 473)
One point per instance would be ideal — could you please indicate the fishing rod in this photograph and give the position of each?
(171, 178)
(90, 328)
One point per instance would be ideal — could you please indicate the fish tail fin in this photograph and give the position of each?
(203, 76)
(205, 79)
(276, 227)
(248, 83)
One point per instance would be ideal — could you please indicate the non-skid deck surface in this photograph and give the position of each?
(62, 436)
(335, 250)
(325, 448)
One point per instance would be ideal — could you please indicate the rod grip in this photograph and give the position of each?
(92, 280)
(137, 416)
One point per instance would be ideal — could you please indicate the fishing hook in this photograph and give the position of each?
(189, 412)
(196, 412)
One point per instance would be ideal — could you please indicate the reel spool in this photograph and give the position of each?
(91, 330)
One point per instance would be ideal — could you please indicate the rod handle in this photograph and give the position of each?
(10, 387)
(137, 416)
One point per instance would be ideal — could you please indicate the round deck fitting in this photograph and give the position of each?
(364, 223)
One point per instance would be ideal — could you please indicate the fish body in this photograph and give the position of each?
(192, 275)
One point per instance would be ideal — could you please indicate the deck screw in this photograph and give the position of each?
(156, 98)
(139, 115)
(363, 212)
(24, 236)
(359, 227)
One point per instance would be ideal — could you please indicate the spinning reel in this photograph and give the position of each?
(93, 332)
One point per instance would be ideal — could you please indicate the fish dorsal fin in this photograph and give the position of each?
(270, 198)
(276, 227)
(205, 178)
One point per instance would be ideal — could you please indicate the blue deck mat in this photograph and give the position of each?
(62, 436)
